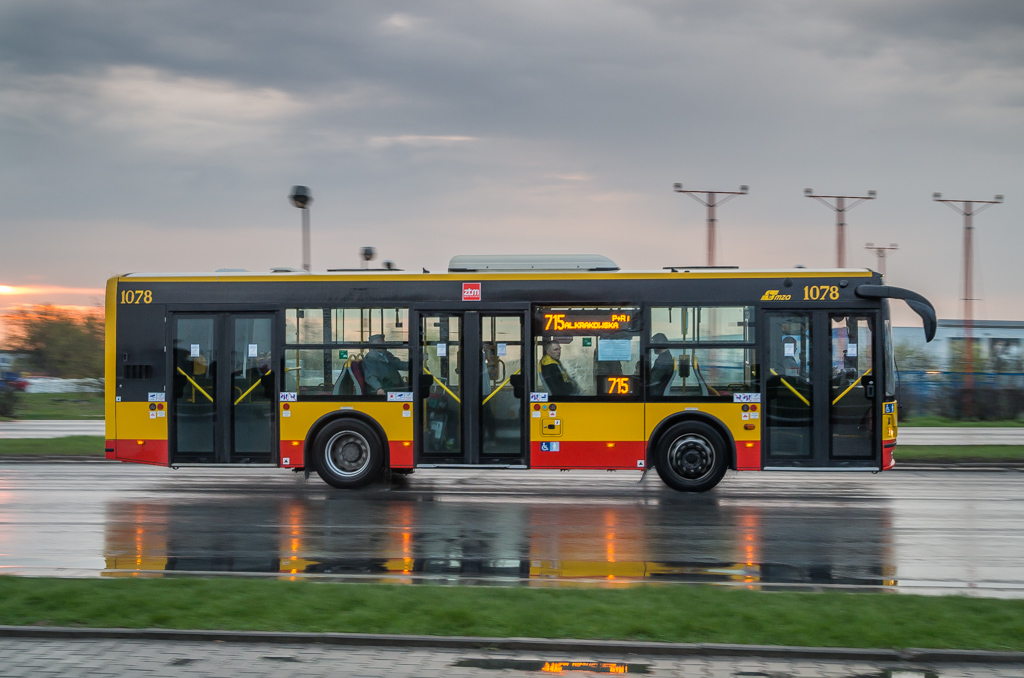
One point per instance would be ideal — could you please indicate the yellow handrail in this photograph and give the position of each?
(499, 387)
(194, 384)
(255, 384)
(439, 383)
(850, 387)
(795, 392)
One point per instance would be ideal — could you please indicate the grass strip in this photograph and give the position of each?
(692, 614)
(68, 446)
(959, 453)
(930, 421)
(58, 406)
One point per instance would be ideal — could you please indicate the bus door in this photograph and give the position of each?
(819, 397)
(470, 389)
(222, 405)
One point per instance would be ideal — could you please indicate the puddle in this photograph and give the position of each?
(543, 666)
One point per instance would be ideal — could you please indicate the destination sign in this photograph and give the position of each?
(589, 322)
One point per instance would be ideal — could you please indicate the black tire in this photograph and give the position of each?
(347, 454)
(691, 457)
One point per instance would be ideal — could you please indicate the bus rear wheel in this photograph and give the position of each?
(691, 457)
(347, 454)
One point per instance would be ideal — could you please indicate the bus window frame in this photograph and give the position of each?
(647, 346)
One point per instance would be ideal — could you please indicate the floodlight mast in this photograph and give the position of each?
(840, 207)
(882, 251)
(968, 211)
(301, 197)
(711, 204)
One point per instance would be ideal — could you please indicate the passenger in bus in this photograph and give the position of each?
(557, 380)
(663, 368)
(382, 371)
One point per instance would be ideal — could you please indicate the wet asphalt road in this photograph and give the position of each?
(907, 531)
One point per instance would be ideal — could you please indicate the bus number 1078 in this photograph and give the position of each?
(136, 296)
(816, 292)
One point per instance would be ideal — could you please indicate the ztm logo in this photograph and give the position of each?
(471, 291)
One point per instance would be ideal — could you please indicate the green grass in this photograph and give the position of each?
(959, 452)
(693, 614)
(68, 446)
(944, 422)
(59, 406)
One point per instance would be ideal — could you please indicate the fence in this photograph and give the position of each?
(993, 396)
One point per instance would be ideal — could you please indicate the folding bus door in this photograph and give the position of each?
(819, 398)
(471, 410)
(224, 389)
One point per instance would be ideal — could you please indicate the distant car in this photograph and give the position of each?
(13, 380)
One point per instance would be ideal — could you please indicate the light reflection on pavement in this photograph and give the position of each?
(919, 532)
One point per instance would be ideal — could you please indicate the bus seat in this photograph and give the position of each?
(357, 372)
(704, 388)
(347, 383)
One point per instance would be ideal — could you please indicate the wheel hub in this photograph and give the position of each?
(348, 453)
(692, 456)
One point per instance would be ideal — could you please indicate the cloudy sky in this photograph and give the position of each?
(164, 135)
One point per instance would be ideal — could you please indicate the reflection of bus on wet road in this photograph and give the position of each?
(465, 539)
(505, 362)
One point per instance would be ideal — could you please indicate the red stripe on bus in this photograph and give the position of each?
(617, 454)
(748, 458)
(140, 451)
(887, 449)
(294, 452)
(401, 453)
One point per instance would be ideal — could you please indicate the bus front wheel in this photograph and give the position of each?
(347, 454)
(691, 457)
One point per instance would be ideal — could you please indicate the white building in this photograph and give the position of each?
(998, 344)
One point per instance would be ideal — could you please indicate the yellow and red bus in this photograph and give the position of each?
(518, 362)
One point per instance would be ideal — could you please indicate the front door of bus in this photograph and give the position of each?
(222, 404)
(470, 409)
(819, 398)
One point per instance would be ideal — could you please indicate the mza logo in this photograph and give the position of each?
(471, 291)
(773, 295)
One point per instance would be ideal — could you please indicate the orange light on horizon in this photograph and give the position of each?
(17, 290)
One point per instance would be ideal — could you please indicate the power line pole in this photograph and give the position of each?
(840, 207)
(711, 204)
(882, 252)
(968, 211)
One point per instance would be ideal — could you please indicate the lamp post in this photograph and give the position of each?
(301, 197)
(968, 211)
(840, 208)
(882, 251)
(711, 204)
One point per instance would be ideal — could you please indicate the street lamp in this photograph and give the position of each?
(301, 197)
(882, 251)
(840, 207)
(711, 203)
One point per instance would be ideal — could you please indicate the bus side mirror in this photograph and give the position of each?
(517, 385)
(684, 367)
(426, 381)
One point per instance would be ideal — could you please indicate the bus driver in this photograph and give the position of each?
(557, 380)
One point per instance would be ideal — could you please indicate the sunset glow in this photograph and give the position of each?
(11, 290)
